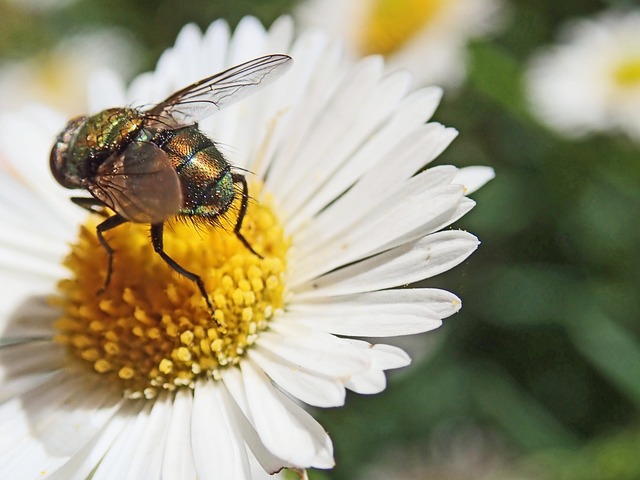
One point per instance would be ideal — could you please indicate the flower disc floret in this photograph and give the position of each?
(151, 328)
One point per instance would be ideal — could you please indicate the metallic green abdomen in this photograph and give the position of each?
(205, 176)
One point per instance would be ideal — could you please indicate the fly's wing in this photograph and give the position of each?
(139, 184)
(206, 97)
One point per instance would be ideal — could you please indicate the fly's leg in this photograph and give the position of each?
(237, 178)
(108, 224)
(158, 247)
(91, 204)
(95, 206)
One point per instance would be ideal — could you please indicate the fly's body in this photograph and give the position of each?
(147, 166)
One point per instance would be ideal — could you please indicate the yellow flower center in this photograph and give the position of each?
(151, 328)
(627, 73)
(389, 24)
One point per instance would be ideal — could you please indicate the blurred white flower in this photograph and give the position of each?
(59, 77)
(427, 37)
(590, 81)
(344, 213)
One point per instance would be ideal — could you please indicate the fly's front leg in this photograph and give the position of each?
(237, 178)
(158, 246)
(91, 204)
(108, 224)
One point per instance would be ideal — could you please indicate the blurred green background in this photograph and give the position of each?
(539, 375)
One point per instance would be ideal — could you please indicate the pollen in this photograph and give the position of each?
(389, 24)
(627, 73)
(151, 329)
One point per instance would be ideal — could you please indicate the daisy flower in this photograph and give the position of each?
(590, 81)
(140, 381)
(427, 37)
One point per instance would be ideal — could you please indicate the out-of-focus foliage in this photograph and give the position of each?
(27, 29)
(539, 375)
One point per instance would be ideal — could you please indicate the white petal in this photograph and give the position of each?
(424, 200)
(30, 358)
(214, 47)
(80, 466)
(147, 460)
(387, 141)
(374, 314)
(438, 223)
(259, 473)
(218, 450)
(62, 419)
(309, 387)
(27, 156)
(285, 428)
(367, 383)
(305, 91)
(320, 183)
(313, 350)
(242, 126)
(382, 180)
(186, 45)
(17, 386)
(443, 303)
(474, 177)
(105, 90)
(21, 262)
(33, 318)
(330, 128)
(383, 357)
(31, 242)
(82, 416)
(119, 457)
(239, 406)
(368, 322)
(23, 210)
(177, 462)
(281, 34)
(23, 290)
(402, 265)
(247, 42)
(14, 427)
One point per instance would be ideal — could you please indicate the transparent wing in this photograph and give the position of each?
(139, 184)
(208, 96)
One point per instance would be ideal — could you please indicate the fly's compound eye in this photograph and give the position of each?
(58, 160)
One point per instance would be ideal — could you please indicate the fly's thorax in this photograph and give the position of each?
(100, 136)
(205, 176)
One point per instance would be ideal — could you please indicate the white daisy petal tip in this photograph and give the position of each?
(383, 357)
(473, 178)
(389, 357)
(456, 306)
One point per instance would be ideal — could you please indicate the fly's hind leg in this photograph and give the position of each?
(237, 178)
(108, 224)
(158, 246)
